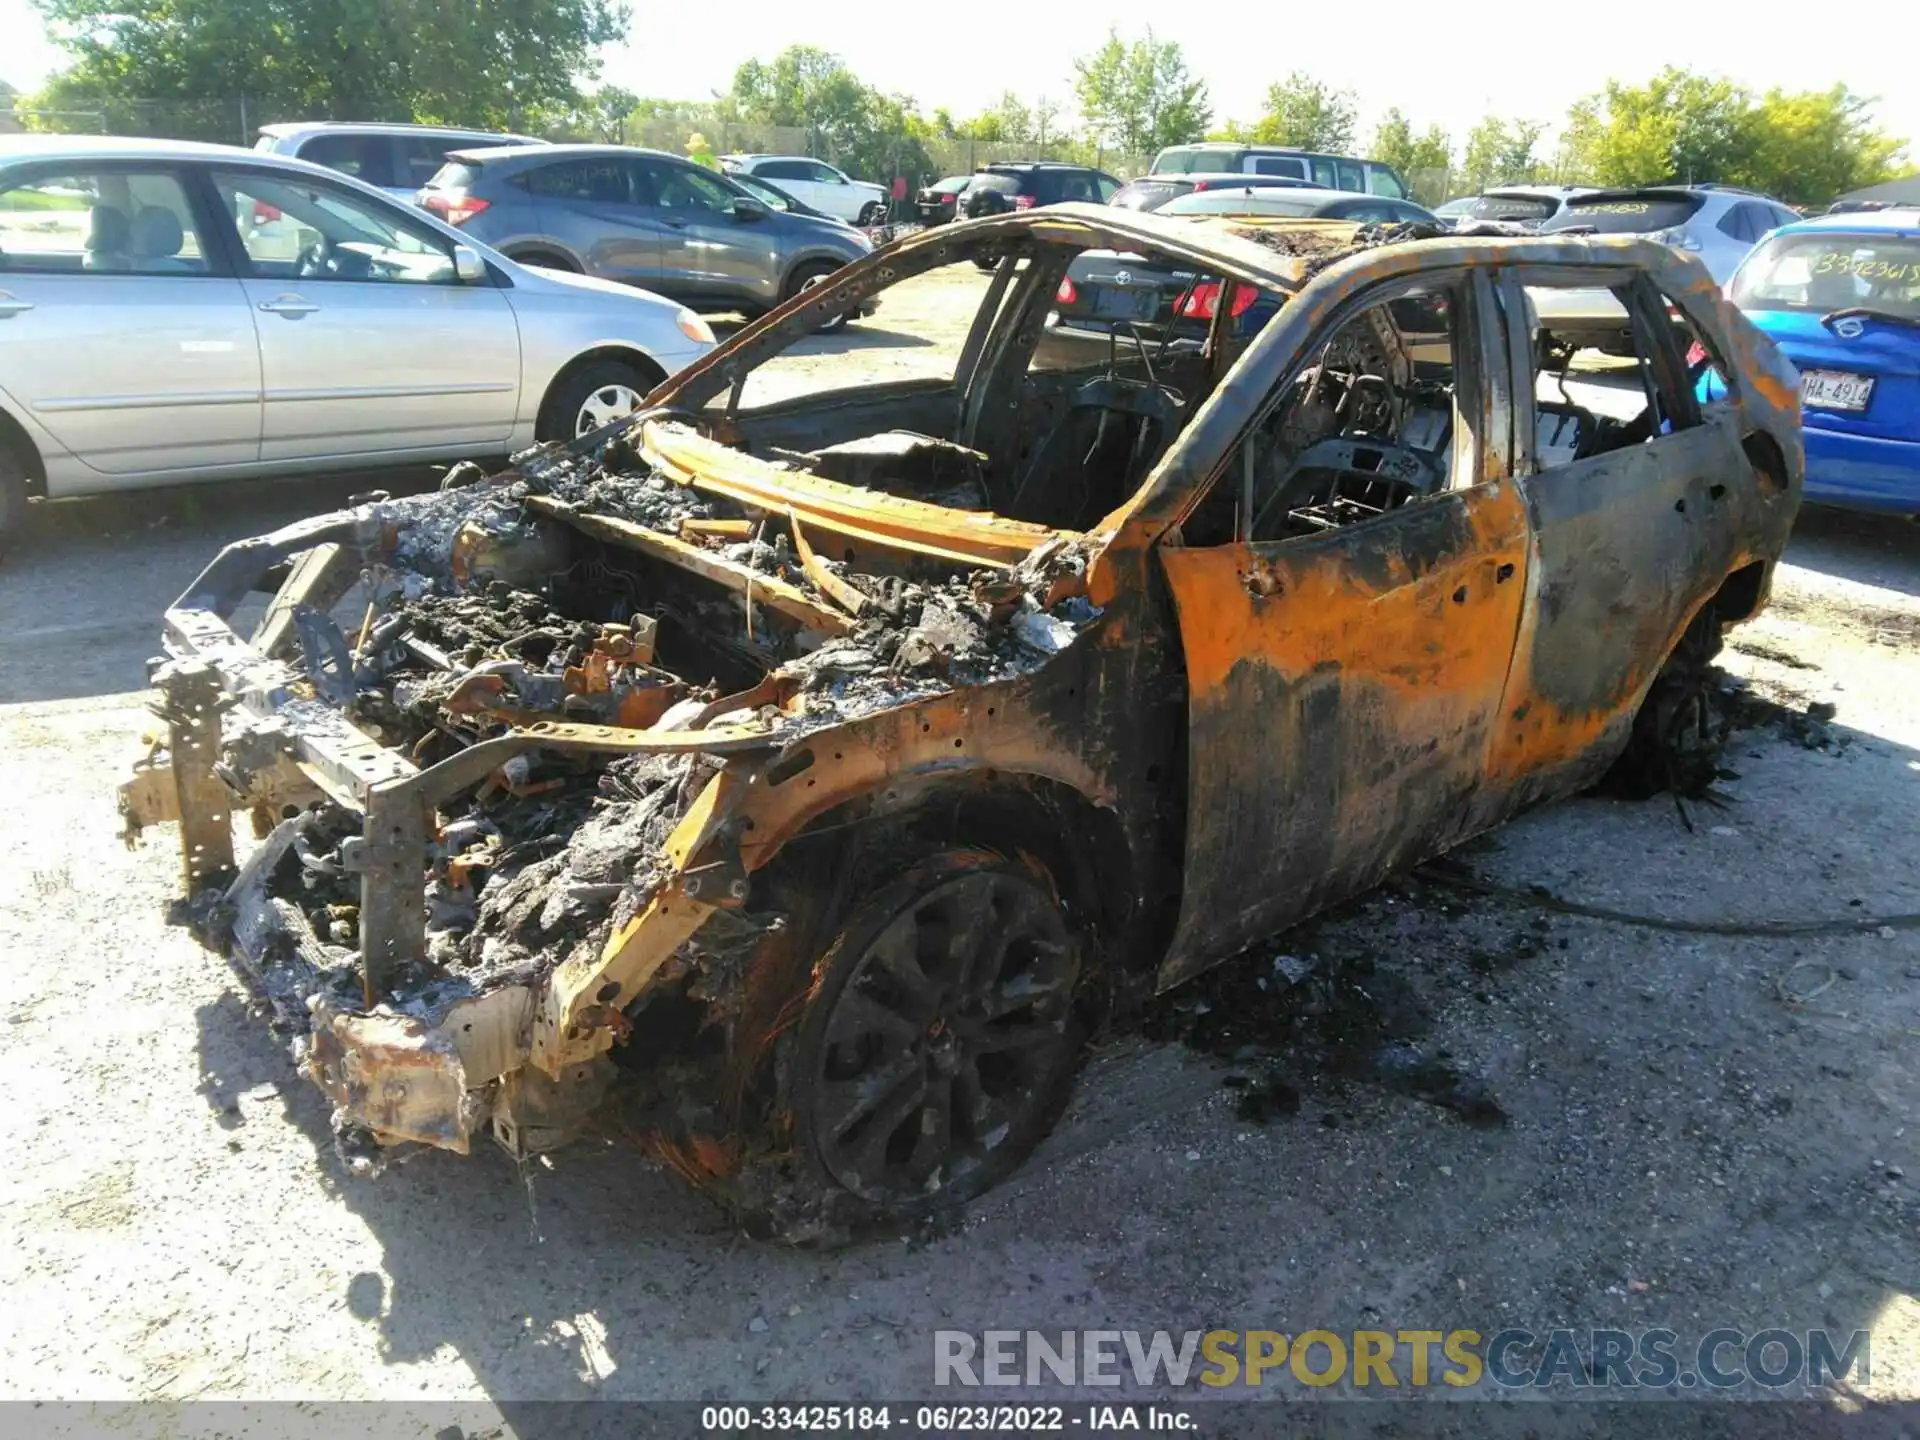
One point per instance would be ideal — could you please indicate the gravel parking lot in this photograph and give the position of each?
(1698, 1130)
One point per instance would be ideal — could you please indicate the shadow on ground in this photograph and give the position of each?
(1632, 1144)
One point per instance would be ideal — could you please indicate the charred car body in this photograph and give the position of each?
(825, 767)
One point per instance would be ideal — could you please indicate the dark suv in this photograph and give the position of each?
(641, 217)
(1023, 184)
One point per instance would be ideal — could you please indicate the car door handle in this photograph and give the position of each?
(289, 305)
(11, 306)
(674, 224)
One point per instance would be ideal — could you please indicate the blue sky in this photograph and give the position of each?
(1448, 64)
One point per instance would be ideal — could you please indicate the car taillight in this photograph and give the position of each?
(263, 213)
(1204, 300)
(1679, 237)
(456, 207)
(1066, 294)
(1023, 202)
(1200, 185)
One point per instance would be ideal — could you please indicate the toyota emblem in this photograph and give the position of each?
(1125, 277)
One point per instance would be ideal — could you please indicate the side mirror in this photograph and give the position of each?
(744, 207)
(468, 267)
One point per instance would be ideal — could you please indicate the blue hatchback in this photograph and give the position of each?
(1840, 296)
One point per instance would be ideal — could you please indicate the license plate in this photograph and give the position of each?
(1835, 389)
(1117, 302)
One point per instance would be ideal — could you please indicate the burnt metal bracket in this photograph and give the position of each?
(190, 694)
(391, 859)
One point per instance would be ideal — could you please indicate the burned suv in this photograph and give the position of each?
(801, 773)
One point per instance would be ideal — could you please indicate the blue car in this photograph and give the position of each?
(1840, 296)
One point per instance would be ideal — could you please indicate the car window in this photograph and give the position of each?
(823, 174)
(1602, 382)
(1351, 175)
(1077, 185)
(598, 180)
(1820, 271)
(421, 157)
(1367, 425)
(783, 170)
(684, 187)
(1737, 222)
(365, 157)
(293, 228)
(1382, 181)
(1324, 174)
(1148, 194)
(764, 191)
(132, 222)
(1371, 211)
(1626, 212)
(1280, 165)
(1105, 187)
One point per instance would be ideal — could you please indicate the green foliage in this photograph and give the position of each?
(497, 63)
(1423, 160)
(1141, 97)
(1804, 147)
(871, 134)
(1500, 152)
(1307, 113)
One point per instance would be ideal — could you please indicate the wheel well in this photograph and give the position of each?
(825, 263)
(649, 370)
(15, 435)
(1741, 594)
(1764, 454)
(543, 255)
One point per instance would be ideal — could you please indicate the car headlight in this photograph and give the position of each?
(693, 327)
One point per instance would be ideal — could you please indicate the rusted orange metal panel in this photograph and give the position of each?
(1344, 692)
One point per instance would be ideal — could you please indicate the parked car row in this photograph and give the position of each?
(295, 317)
(172, 311)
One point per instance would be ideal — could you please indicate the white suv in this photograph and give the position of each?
(815, 183)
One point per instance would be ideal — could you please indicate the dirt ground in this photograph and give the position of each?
(1699, 1130)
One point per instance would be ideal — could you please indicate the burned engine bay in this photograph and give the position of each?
(540, 675)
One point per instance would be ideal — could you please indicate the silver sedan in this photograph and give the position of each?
(174, 312)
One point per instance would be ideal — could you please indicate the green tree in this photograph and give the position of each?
(1805, 146)
(1424, 160)
(1141, 97)
(855, 125)
(499, 63)
(1809, 147)
(1307, 113)
(1500, 152)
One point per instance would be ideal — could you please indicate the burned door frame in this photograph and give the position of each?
(1333, 733)
(1627, 545)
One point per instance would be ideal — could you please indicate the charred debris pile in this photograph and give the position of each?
(529, 597)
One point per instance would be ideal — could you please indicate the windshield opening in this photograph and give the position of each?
(1820, 272)
(1088, 375)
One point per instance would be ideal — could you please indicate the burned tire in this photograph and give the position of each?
(816, 272)
(1678, 732)
(15, 471)
(935, 1048)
